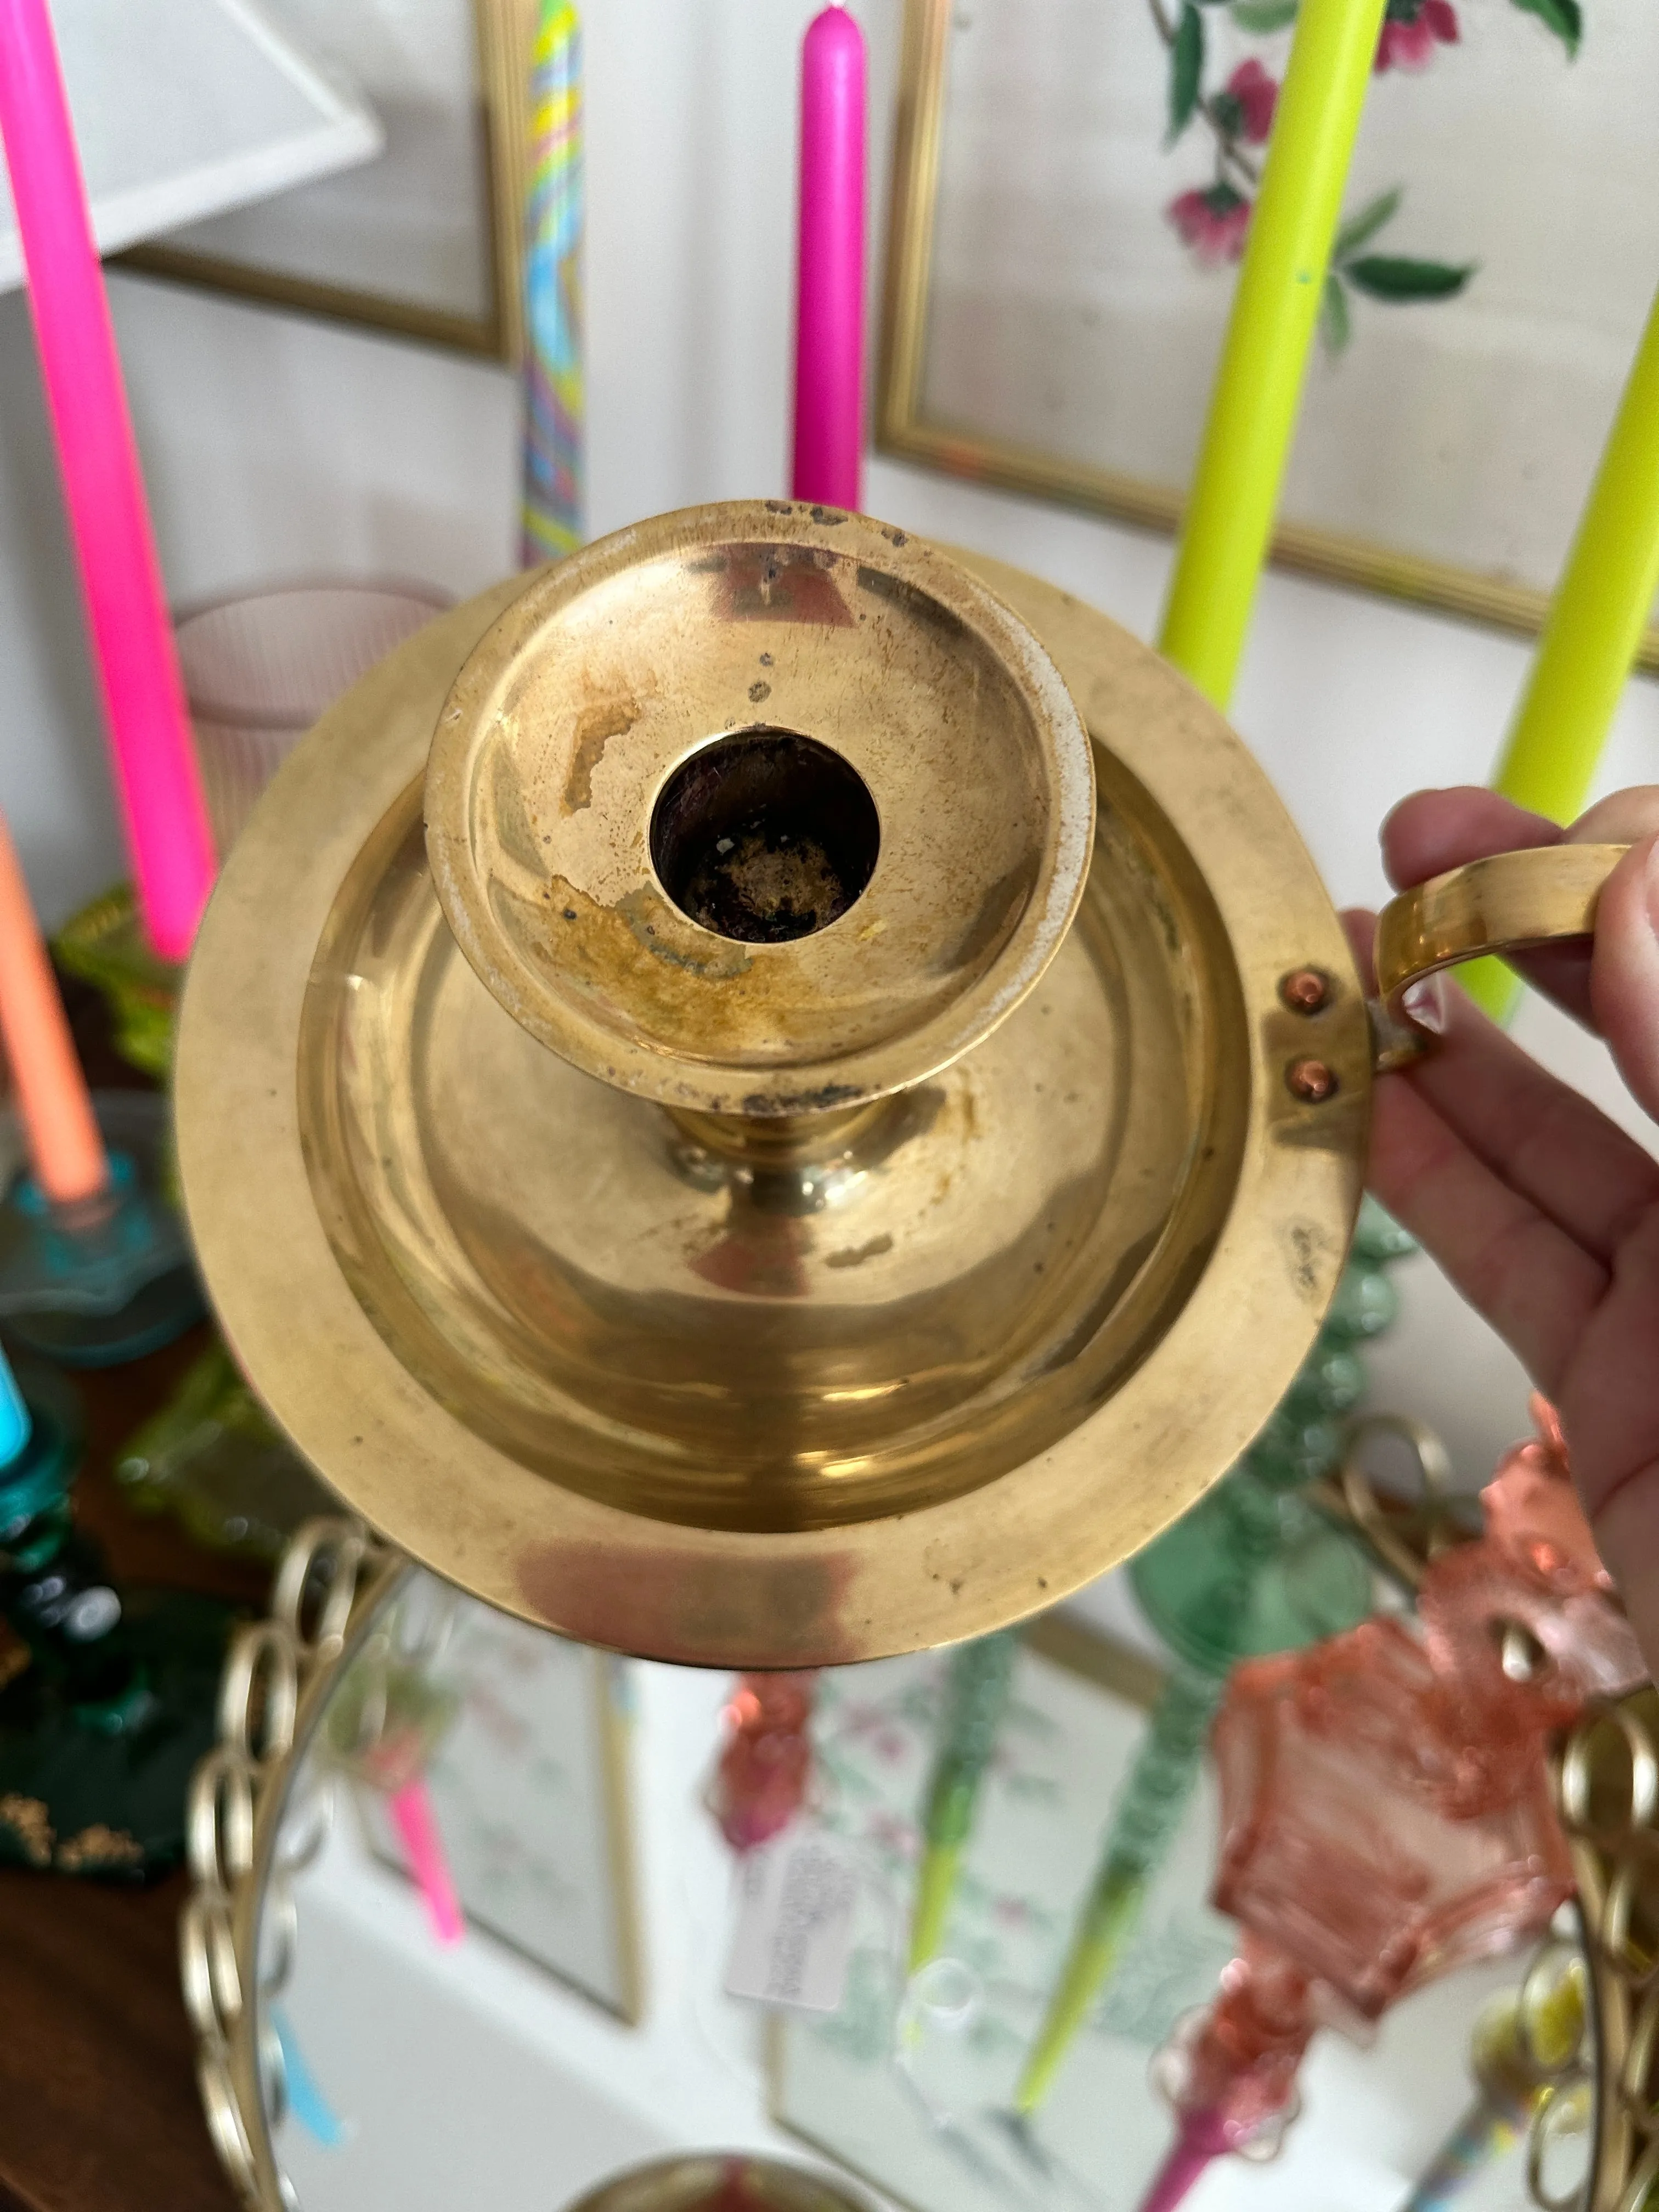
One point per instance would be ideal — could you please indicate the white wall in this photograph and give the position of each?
(274, 446)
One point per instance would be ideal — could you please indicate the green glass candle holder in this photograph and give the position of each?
(212, 1458)
(1254, 1568)
(104, 945)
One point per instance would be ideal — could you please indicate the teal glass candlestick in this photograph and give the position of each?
(114, 1703)
(110, 1277)
(1252, 1569)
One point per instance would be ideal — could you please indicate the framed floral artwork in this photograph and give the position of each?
(1074, 182)
(424, 241)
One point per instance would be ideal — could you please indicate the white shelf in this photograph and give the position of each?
(184, 108)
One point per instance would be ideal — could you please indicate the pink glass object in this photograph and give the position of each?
(1231, 2070)
(412, 1816)
(1386, 1811)
(160, 790)
(258, 670)
(760, 1783)
(1538, 1572)
(1366, 1830)
(830, 279)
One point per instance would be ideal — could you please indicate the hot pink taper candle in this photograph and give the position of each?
(417, 1831)
(830, 279)
(156, 774)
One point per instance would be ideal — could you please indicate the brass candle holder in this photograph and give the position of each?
(769, 1096)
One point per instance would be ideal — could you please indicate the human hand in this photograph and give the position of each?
(1541, 1211)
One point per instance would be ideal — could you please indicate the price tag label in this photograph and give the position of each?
(794, 1933)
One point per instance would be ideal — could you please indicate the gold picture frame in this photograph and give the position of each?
(503, 39)
(471, 1771)
(904, 429)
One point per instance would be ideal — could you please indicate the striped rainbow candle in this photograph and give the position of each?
(553, 293)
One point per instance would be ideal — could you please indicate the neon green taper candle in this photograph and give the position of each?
(1230, 512)
(978, 1685)
(1592, 635)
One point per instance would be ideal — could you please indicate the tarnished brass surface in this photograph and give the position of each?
(615, 667)
(805, 1390)
(1506, 903)
(722, 2181)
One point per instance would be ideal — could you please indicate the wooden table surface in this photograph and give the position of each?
(98, 2105)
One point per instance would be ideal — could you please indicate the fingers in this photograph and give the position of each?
(1562, 972)
(1627, 1537)
(1622, 818)
(1548, 1142)
(1609, 1407)
(1434, 830)
(1625, 968)
(1525, 1274)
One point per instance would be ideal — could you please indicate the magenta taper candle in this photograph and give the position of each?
(156, 774)
(830, 281)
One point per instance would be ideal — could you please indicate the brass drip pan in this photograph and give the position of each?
(873, 1286)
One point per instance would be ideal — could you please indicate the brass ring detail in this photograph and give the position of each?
(1578, 1770)
(1509, 903)
(1560, 2105)
(239, 1795)
(260, 1691)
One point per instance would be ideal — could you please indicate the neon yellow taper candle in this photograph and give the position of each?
(1235, 493)
(1592, 635)
(1601, 610)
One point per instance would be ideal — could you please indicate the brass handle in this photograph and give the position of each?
(1507, 903)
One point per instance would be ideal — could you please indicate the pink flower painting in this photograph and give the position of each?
(1412, 30)
(1213, 222)
(1246, 102)
(1235, 111)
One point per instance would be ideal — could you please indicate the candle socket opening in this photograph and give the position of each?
(764, 836)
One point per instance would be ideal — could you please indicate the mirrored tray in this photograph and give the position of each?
(349, 2062)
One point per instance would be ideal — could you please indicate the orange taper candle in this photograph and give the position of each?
(64, 1146)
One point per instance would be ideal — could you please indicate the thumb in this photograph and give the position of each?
(1624, 969)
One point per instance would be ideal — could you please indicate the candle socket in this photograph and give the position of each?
(108, 1278)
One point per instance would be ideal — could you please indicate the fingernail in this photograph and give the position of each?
(1651, 885)
(1425, 1005)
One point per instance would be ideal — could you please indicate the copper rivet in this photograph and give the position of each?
(1310, 1079)
(1304, 990)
